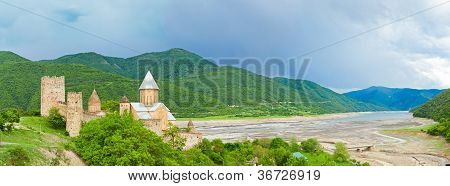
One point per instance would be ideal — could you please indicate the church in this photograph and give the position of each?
(154, 114)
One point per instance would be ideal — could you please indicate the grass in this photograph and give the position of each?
(421, 128)
(436, 142)
(35, 136)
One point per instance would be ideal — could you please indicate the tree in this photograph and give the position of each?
(294, 161)
(310, 145)
(293, 145)
(11, 115)
(172, 134)
(18, 156)
(279, 155)
(116, 140)
(195, 157)
(277, 143)
(341, 154)
(55, 119)
(111, 106)
(8, 118)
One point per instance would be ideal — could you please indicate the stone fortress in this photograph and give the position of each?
(153, 114)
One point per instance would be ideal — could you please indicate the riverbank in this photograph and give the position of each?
(258, 120)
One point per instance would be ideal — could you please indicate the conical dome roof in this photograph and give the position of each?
(149, 82)
(124, 100)
(94, 97)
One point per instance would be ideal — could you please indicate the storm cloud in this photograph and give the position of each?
(414, 52)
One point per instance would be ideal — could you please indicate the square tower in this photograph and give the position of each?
(52, 93)
(74, 113)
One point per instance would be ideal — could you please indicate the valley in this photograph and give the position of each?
(379, 136)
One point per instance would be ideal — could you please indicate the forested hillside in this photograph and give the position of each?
(393, 98)
(437, 108)
(189, 85)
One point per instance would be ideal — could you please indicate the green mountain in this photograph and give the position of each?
(163, 65)
(6, 56)
(190, 85)
(393, 98)
(437, 108)
(326, 98)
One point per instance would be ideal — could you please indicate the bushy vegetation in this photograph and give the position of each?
(55, 119)
(437, 109)
(18, 156)
(7, 119)
(116, 140)
(441, 129)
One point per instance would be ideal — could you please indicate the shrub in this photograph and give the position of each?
(341, 154)
(277, 143)
(7, 118)
(55, 119)
(294, 161)
(18, 156)
(311, 145)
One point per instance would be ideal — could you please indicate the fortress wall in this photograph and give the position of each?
(74, 113)
(192, 139)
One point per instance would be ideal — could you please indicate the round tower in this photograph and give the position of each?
(149, 90)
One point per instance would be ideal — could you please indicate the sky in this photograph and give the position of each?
(413, 53)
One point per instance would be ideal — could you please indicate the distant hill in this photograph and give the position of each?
(190, 85)
(393, 98)
(6, 56)
(163, 65)
(437, 108)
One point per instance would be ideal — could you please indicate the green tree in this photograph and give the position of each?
(277, 143)
(18, 156)
(111, 106)
(293, 145)
(279, 155)
(294, 161)
(55, 119)
(311, 145)
(116, 140)
(341, 154)
(172, 134)
(7, 118)
(195, 157)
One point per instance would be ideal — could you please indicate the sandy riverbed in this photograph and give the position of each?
(357, 130)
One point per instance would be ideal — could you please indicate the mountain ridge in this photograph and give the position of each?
(393, 98)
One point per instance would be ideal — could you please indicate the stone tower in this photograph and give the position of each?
(149, 90)
(74, 113)
(52, 93)
(124, 105)
(94, 104)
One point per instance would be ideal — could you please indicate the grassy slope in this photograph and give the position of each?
(37, 138)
